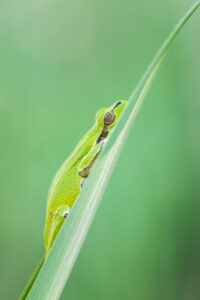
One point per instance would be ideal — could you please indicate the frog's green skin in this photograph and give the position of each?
(67, 183)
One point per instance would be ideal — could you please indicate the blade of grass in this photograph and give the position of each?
(54, 273)
(31, 281)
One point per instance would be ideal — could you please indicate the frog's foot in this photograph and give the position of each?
(62, 211)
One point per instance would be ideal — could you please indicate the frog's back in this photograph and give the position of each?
(64, 188)
(66, 183)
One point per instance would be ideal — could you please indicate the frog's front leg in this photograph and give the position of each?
(58, 219)
(88, 161)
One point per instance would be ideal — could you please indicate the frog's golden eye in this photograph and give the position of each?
(109, 118)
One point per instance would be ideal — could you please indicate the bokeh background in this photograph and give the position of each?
(60, 61)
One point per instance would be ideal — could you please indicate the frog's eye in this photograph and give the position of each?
(109, 118)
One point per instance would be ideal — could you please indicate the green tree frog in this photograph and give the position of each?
(70, 178)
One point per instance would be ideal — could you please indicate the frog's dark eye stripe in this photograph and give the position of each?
(118, 103)
(102, 136)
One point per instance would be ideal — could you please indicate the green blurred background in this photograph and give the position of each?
(60, 61)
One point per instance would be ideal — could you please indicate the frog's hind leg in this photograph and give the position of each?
(58, 219)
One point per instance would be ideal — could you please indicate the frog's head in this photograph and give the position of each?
(107, 118)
